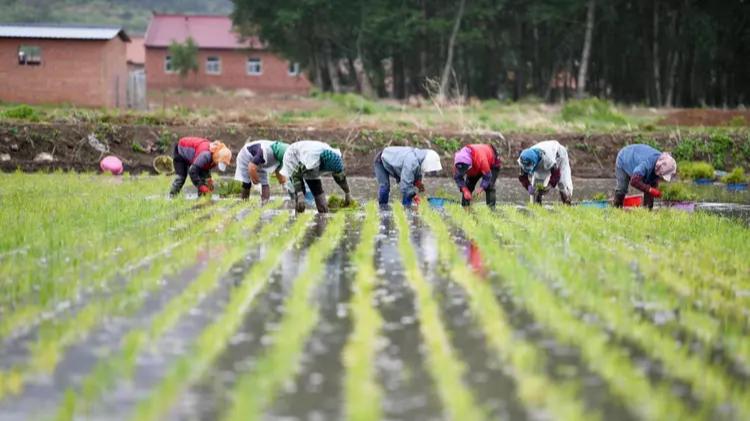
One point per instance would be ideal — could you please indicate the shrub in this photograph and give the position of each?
(696, 169)
(721, 145)
(22, 112)
(593, 109)
(677, 192)
(687, 149)
(736, 176)
(737, 121)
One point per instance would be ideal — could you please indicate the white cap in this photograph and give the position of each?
(222, 166)
(431, 162)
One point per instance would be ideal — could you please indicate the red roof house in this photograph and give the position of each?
(224, 59)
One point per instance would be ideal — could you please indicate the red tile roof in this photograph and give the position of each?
(135, 51)
(206, 30)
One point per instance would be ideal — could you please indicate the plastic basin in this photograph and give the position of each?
(632, 201)
(111, 164)
(737, 186)
(683, 206)
(703, 181)
(595, 203)
(436, 202)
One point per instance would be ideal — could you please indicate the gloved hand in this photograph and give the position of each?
(654, 192)
(466, 193)
(210, 183)
(348, 200)
(203, 190)
(299, 202)
(416, 200)
(419, 185)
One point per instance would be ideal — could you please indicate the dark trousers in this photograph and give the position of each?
(490, 193)
(180, 170)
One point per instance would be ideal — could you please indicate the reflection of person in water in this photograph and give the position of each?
(474, 257)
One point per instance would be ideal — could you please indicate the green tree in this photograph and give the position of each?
(184, 58)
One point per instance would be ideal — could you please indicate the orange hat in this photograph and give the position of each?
(221, 154)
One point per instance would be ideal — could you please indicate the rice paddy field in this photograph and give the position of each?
(117, 303)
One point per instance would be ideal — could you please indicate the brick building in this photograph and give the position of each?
(136, 53)
(80, 65)
(224, 60)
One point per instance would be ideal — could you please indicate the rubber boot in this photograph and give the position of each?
(619, 200)
(565, 199)
(538, 196)
(490, 198)
(321, 204)
(648, 201)
(299, 203)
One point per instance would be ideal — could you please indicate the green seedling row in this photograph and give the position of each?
(527, 362)
(120, 366)
(716, 318)
(445, 368)
(582, 280)
(612, 363)
(135, 253)
(58, 335)
(213, 339)
(256, 389)
(363, 393)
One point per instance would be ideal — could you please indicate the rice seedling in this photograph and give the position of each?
(446, 370)
(535, 388)
(255, 390)
(120, 366)
(363, 394)
(612, 363)
(213, 339)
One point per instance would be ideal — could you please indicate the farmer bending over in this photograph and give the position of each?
(547, 164)
(407, 165)
(255, 161)
(304, 162)
(473, 163)
(195, 156)
(642, 166)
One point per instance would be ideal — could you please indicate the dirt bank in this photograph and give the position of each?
(592, 155)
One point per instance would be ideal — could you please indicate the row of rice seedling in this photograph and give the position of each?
(527, 363)
(363, 393)
(445, 368)
(119, 367)
(581, 281)
(610, 361)
(708, 315)
(57, 335)
(212, 340)
(256, 388)
(133, 253)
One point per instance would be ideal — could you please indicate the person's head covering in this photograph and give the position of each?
(279, 148)
(220, 154)
(666, 167)
(529, 159)
(331, 161)
(431, 162)
(463, 156)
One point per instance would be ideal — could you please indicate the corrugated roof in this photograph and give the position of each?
(207, 31)
(44, 31)
(135, 51)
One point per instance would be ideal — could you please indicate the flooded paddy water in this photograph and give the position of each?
(233, 311)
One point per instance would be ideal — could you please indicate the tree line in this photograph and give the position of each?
(655, 52)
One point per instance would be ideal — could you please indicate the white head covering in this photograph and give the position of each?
(431, 162)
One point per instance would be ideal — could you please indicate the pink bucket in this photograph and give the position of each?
(111, 164)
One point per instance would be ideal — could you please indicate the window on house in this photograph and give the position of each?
(293, 69)
(213, 65)
(29, 55)
(254, 66)
(168, 68)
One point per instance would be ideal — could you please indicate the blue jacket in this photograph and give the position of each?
(639, 160)
(405, 165)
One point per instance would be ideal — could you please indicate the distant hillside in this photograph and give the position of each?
(131, 14)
